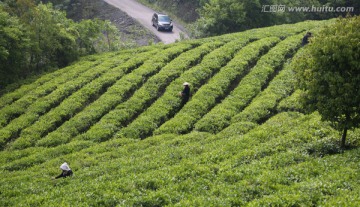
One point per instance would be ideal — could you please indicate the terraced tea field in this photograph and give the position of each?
(241, 140)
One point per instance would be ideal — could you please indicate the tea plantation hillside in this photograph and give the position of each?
(241, 140)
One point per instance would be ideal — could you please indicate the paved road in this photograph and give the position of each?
(143, 15)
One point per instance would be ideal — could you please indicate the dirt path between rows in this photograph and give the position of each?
(143, 15)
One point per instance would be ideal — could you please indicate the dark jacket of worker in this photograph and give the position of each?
(185, 94)
(66, 171)
(305, 39)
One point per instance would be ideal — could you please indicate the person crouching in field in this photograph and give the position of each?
(66, 171)
(185, 94)
(306, 38)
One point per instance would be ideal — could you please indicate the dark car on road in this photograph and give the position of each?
(162, 22)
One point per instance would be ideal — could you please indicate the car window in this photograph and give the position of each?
(164, 18)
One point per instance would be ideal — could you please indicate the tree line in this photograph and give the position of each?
(36, 37)
(216, 17)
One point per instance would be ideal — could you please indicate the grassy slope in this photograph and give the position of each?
(93, 114)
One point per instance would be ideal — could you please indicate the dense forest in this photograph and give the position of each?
(37, 37)
(215, 17)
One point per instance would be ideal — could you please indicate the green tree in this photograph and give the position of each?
(14, 43)
(36, 37)
(97, 36)
(329, 73)
(111, 36)
(53, 37)
(226, 16)
(89, 31)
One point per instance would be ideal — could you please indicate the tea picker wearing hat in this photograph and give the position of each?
(185, 94)
(66, 171)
